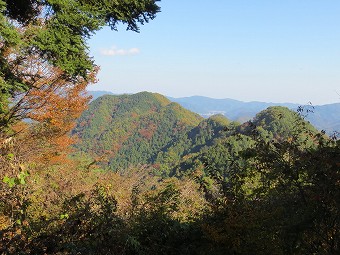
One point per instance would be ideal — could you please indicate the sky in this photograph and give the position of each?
(249, 50)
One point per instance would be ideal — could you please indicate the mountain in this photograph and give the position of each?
(225, 153)
(324, 117)
(231, 108)
(119, 131)
(278, 122)
(131, 129)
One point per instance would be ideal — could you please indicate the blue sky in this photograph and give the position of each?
(264, 50)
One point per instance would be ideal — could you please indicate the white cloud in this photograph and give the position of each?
(114, 51)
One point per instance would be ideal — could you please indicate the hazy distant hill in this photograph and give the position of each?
(324, 117)
(231, 108)
(96, 94)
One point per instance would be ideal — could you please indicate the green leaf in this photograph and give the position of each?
(9, 181)
(21, 177)
(10, 156)
(64, 216)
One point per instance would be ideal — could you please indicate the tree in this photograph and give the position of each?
(299, 184)
(280, 194)
(43, 44)
(44, 70)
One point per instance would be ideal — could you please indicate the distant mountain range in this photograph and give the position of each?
(324, 117)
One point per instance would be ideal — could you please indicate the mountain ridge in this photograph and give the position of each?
(324, 117)
(147, 128)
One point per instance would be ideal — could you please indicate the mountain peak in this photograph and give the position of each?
(132, 129)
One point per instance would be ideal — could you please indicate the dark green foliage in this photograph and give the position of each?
(284, 196)
(198, 138)
(271, 185)
(154, 232)
(68, 23)
(146, 128)
(298, 183)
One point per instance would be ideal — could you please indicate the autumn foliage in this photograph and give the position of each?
(184, 185)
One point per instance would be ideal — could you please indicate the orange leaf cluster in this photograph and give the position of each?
(52, 100)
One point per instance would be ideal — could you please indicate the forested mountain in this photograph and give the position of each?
(132, 129)
(146, 128)
(222, 154)
(323, 117)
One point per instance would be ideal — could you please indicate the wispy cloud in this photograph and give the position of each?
(114, 51)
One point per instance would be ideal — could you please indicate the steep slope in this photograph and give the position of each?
(131, 129)
(204, 135)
